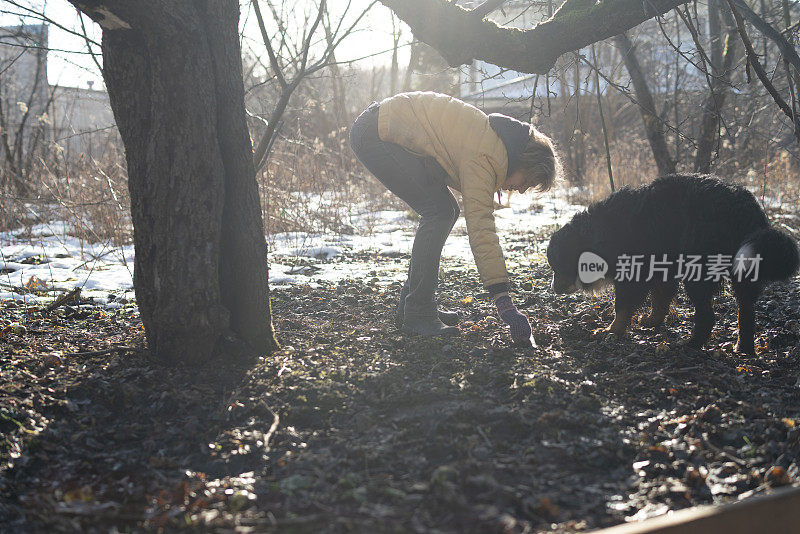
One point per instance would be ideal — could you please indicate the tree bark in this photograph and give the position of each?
(653, 125)
(461, 36)
(793, 75)
(174, 78)
(718, 93)
(715, 36)
(580, 145)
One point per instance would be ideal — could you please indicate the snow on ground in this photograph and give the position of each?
(390, 233)
(47, 257)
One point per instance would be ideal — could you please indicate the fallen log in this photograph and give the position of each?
(777, 512)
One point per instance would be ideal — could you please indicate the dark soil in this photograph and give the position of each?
(353, 426)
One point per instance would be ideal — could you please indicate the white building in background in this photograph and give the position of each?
(83, 122)
(23, 77)
(77, 120)
(488, 86)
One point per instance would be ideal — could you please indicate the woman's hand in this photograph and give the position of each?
(518, 324)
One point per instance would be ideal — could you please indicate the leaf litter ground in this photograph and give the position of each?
(353, 426)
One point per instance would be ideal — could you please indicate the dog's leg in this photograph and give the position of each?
(627, 299)
(746, 295)
(662, 295)
(701, 295)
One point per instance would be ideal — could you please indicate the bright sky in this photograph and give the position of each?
(69, 64)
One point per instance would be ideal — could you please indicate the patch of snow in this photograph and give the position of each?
(47, 255)
(321, 253)
(51, 262)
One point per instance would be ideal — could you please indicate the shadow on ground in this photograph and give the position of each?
(381, 432)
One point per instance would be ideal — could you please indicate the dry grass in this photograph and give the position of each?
(631, 165)
(90, 196)
(775, 181)
(308, 186)
(317, 186)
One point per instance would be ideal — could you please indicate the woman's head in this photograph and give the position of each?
(537, 166)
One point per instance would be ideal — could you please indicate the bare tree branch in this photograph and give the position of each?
(277, 71)
(39, 15)
(350, 29)
(677, 48)
(632, 99)
(705, 60)
(89, 42)
(302, 69)
(752, 59)
(766, 28)
(307, 44)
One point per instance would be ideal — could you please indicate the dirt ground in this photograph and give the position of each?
(354, 427)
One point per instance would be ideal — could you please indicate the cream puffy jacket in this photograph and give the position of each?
(460, 138)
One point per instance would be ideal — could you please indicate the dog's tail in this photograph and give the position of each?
(777, 250)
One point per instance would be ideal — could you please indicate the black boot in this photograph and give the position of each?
(449, 318)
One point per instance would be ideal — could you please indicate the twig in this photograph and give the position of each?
(307, 44)
(88, 41)
(105, 351)
(627, 94)
(705, 60)
(729, 456)
(71, 296)
(533, 98)
(275, 421)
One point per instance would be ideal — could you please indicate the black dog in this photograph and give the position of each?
(661, 227)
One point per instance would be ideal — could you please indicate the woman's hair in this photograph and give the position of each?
(540, 161)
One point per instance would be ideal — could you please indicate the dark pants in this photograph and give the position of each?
(420, 183)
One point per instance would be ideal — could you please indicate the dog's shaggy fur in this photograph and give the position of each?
(675, 215)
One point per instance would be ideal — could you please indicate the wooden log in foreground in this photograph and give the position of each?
(775, 513)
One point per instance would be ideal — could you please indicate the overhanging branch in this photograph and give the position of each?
(461, 37)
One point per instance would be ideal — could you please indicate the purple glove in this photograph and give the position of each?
(518, 324)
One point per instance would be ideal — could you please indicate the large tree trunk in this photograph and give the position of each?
(174, 78)
(653, 125)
